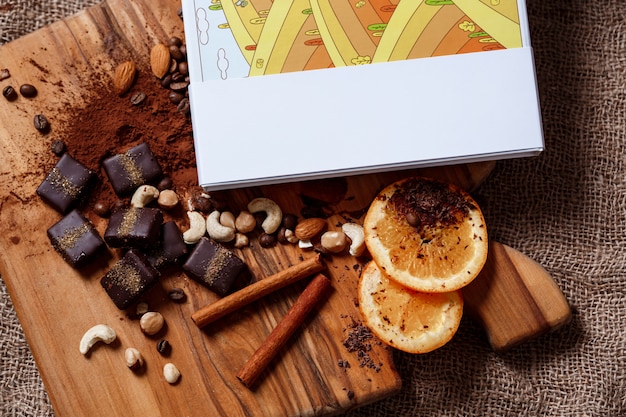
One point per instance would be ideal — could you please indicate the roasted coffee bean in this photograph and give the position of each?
(290, 221)
(280, 235)
(28, 90)
(58, 147)
(267, 240)
(176, 41)
(163, 347)
(177, 77)
(4, 74)
(102, 209)
(177, 295)
(183, 49)
(175, 53)
(166, 81)
(41, 123)
(176, 97)
(183, 68)
(9, 93)
(184, 106)
(413, 219)
(137, 98)
(179, 87)
(173, 66)
(166, 183)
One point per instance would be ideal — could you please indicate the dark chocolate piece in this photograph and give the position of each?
(213, 265)
(134, 228)
(128, 279)
(66, 184)
(135, 167)
(171, 249)
(76, 239)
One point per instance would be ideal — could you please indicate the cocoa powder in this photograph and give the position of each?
(110, 124)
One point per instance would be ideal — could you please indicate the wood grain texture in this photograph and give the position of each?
(56, 304)
(515, 299)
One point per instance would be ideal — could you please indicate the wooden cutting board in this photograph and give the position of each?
(56, 304)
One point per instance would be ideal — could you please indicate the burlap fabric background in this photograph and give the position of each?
(566, 209)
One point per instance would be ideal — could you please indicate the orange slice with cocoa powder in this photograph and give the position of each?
(427, 235)
(405, 319)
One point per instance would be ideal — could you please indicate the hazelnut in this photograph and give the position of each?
(245, 222)
(334, 241)
(134, 360)
(151, 322)
(167, 199)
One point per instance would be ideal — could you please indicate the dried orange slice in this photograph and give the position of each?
(427, 235)
(408, 320)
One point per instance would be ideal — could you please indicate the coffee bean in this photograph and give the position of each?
(176, 41)
(173, 66)
(290, 221)
(176, 97)
(166, 183)
(41, 123)
(4, 74)
(137, 98)
(183, 68)
(184, 106)
(166, 81)
(163, 347)
(177, 77)
(9, 93)
(267, 240)
(102, 209)
(177, 295)
(28, 90)
(183, 49)
(58, 147)
(175, 53)
(413, 219)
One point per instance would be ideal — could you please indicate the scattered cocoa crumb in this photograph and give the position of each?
(360, 340)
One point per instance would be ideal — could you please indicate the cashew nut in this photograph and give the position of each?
(271, 209)
(357, 238)
(216, 230)
(98, 333)
(143, 196)
(171, 373)
(197, 228)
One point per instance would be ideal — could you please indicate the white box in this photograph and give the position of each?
(309, 124)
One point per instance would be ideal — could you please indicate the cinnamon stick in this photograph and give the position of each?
(257, 290)
(260, 359)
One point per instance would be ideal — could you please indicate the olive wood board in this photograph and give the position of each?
(56, 304)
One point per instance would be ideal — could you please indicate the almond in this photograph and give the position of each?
(309, 228)
(160, 60)
(124, 77)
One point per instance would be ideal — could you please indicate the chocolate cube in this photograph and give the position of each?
(135, 167)
(171, 249)
(67, 184)
(128, 279)
(76, 239)
(213, 265)
(134, 227)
